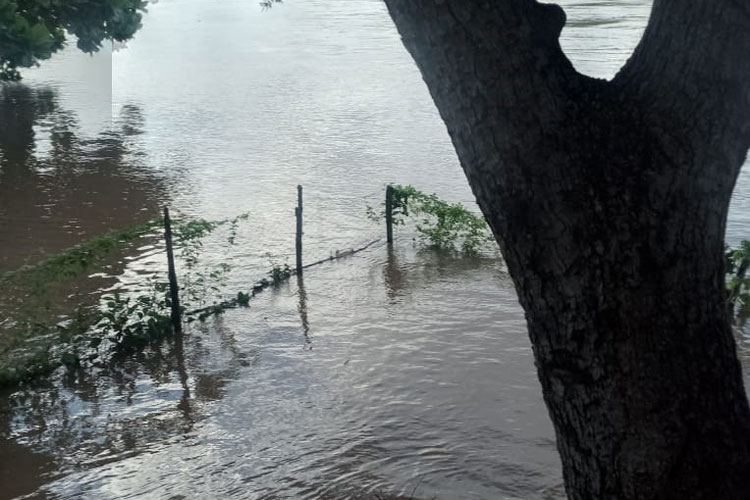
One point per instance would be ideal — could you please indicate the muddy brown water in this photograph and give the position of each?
(407, 371)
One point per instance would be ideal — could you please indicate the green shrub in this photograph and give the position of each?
(737, 281)
(441, 224)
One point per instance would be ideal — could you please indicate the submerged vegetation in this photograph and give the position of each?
(441, 224)
(39, 335)
(36, 343)
(35, 339)
(79, 259)
(38, 340)
(278, 273)
(737, 280)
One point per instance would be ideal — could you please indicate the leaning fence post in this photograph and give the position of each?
(298, 214)
(389, 213)
(173, 290)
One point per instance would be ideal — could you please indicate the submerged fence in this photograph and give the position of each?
(177, 312)
(123, 323)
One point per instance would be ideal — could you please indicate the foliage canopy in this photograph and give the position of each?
(33, 30)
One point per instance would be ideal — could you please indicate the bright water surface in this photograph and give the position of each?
(405, 371)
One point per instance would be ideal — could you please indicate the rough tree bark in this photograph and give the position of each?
(609, 202)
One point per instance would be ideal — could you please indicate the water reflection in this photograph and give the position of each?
(179, 356)
(240, 411)
(409, 268)
(34, 464)
(86, 419)
(421, 375)
(302, 308)
(21, 108)
(393, 275)
(58, 187)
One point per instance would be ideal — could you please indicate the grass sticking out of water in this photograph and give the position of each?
(35, 339)
(79, 259)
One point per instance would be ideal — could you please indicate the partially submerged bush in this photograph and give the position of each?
(440, 223)
(738, 283)
(134, 322)
(278, 273)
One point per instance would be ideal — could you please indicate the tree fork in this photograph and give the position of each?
(609, 201)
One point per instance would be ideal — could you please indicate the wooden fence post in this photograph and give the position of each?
(298, 214)
(389, 213)
(173, 290)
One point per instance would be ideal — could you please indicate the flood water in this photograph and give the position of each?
(405, 371)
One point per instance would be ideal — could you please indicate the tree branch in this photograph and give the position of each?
(696, 52)
(509, 51)
(503, 87)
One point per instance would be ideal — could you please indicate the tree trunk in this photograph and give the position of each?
(609, 202)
